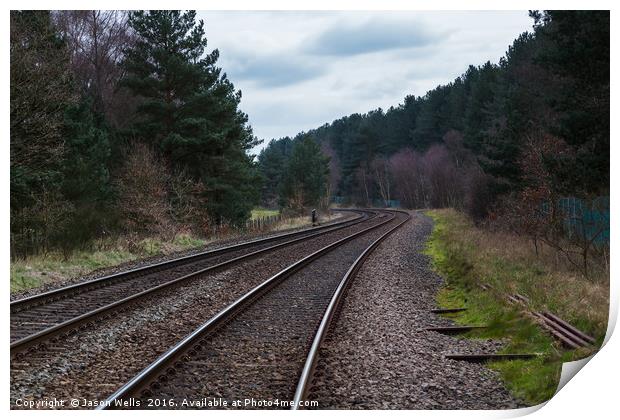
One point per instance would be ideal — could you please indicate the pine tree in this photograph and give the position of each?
(85, 171)
(271, 163)
(189, 110)
(304, 182)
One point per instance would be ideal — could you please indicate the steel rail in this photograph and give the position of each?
(311, 359)
(194, 340)
(87, 285)
(565, 333)
(90, 317)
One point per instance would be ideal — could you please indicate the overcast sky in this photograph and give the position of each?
(299, 70)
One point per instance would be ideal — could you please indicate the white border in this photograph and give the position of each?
(591, 394)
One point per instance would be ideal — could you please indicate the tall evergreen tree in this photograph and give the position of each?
(189, 109)
(271, 162)
(85, 170)
(304, 183)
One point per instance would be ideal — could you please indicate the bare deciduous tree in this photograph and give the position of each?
(334, 171)
(40, 91)
(410, 178)
(441, 177)
(362, 177)
(96, 40)
(381, 173)
(537, 210)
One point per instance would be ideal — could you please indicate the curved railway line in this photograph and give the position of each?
(263, 345)
(39, 317)
(304, 268)
(243, 323)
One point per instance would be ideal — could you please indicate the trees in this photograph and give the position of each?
(305, 176)
(432, 179)
(85, 178)
(189, 110)
(445, 183)
(41, 90)
(143, 183)
(553, 82)
(59, 155)
(87, 150)
(430, 119)
(164, 67)
(96, 40)
(271, 163)
(575, 51)
(362, 193)
(89, 89)
(406, 170)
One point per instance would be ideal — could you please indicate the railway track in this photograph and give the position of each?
(94, 362)
(49, 314)
(257, 347)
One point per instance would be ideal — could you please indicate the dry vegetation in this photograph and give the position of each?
(53, 267)
(468, 256)
(510, 264)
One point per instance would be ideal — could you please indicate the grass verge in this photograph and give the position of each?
(468, 256)
(261, 212)
(52, 267)
(37, 270)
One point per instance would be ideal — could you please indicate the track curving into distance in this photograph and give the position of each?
(37, 317)
(258, 346)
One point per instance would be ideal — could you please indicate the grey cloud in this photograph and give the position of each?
(298, 70)
(372, 36)
(275, 70)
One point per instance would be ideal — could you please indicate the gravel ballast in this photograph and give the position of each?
(95, 362)
(259, 354)
(376, 357)
(31, 317)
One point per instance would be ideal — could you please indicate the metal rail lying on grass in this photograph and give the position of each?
(564, 332)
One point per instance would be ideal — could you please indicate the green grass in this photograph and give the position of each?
(259, 212)
(465, 264)
(185, 241)
(37, 270)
